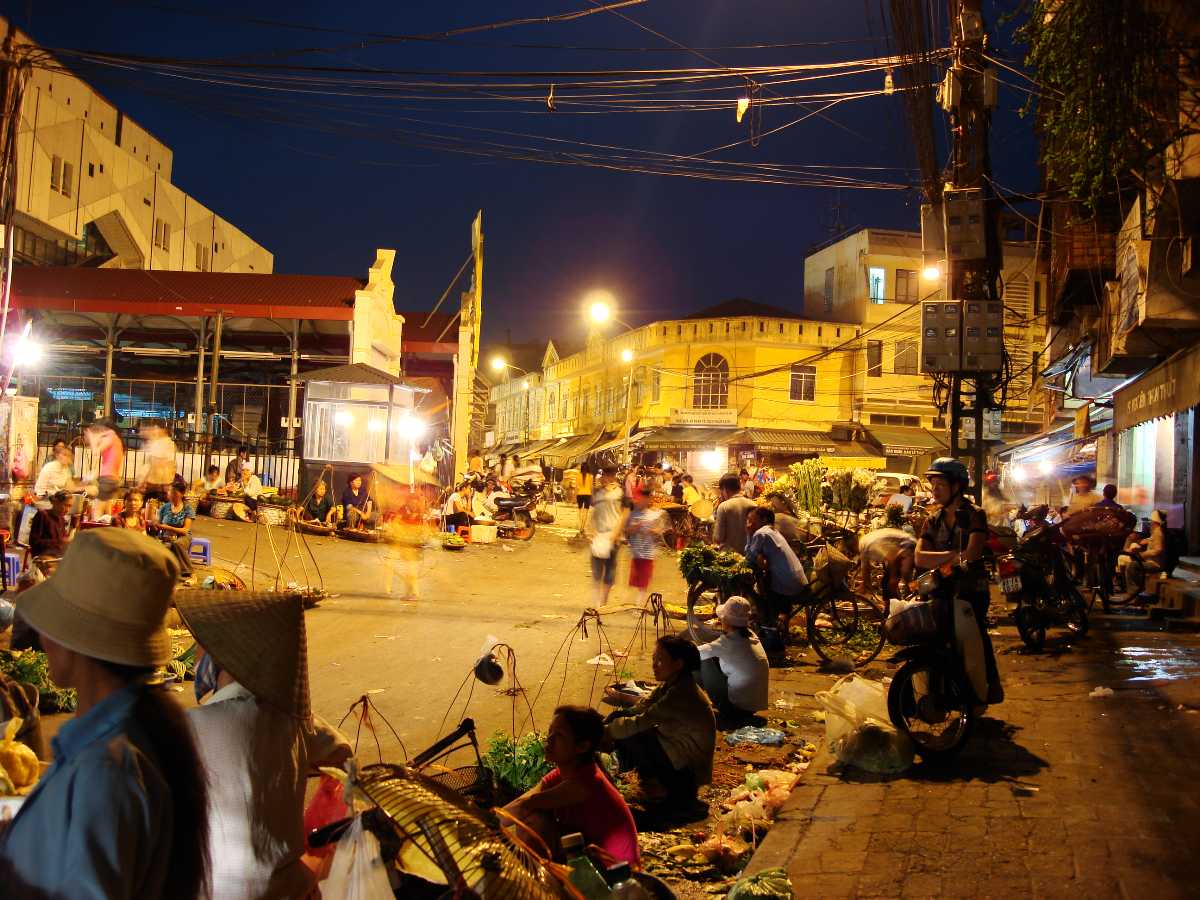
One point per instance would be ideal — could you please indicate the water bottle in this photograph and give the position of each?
(624, 885)
(583, 875)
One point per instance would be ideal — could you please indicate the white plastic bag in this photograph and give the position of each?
(858, 729)
(602, 546)
(357, 871)
(970, 647)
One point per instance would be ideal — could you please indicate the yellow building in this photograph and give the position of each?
(743, 382)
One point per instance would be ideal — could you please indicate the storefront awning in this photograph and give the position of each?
(685, 438)
(535, 448)
(618, 443)
(897, 440)
(1170, 387)
(573, 448)
(781, 440)
(853, 454)
(1068, 361)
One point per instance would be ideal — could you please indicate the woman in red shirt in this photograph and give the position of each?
(577, 796)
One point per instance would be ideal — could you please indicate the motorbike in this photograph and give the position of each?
(1035, 577)
(514, 516)
(937, 694)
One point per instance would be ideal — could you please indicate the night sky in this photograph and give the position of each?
(323, 198)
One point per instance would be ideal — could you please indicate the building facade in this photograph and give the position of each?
(94, 187)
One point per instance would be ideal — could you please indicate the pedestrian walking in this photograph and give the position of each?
(643, 531)
(606, 524)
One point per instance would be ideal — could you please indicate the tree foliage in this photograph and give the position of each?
(1111, 76)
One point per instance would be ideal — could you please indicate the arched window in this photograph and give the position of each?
(710, 383)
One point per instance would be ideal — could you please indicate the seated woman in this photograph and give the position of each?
(1147, 557)
(356, 504)
(669, 737)
(212, 481)
(134, 514)
(318, 507)
(457, 510)
(734, 671)
(577, 796)
(252, 487)
(174, 527)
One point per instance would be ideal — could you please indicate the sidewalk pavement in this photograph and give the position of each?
(1057, 794)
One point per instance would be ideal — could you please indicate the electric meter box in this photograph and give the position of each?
(941, 336)
(982, 335)
(933, 236)
(965, 231)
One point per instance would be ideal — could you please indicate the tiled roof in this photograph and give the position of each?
(740, 307)
(184, 293)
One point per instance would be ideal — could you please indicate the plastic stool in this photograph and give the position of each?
(200, 550)
(464, 532)
(12, 567)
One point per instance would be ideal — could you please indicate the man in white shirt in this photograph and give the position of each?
(902, 498)
(891, 548)
(56, 475)
(734, 670)
(457, 510)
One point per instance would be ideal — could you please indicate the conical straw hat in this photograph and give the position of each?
(258, 637)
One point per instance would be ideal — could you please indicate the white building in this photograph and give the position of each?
(94, 187)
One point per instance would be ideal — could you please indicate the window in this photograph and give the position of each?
(162, 234)
(56, 174)
(710, 383)
(91, 170)
(829, 290)
(203, 258)
(804, 383)
(876, 279)
(1037, 298)
(908, 286)
(906, 358)
(874, 358)
(891, 419)
(565, 404)
(68, 178)
(656, 386)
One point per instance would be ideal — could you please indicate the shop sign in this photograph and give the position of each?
(711, 417)
(1169, 388)
(1083, 421)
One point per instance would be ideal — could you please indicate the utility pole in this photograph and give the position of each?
(973, 259)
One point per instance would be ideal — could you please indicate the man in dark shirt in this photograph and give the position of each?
(48, 531)
(357, 504)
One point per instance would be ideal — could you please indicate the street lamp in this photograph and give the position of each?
(932, 272)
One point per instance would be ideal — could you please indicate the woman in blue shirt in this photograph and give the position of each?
(123, 812)
(175, 528)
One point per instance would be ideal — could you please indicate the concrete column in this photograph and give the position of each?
(201, 425)
(295, 370)
(108, 378)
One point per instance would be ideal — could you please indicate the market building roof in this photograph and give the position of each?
(139, 291)
(741, 307)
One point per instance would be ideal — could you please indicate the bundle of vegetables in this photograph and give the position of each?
(19, 767)
(851, 488)
(517, 764)
(785, 488)
(453, 542)
(766, 884)
(808, 475)
(30, 667)
(722, 569)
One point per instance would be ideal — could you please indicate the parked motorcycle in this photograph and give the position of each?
(1035, 577)
(514, 516)
(936, 696)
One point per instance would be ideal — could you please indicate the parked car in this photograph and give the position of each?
(887, 483)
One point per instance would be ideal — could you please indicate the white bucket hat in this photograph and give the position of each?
(735, 612)
(108, 598)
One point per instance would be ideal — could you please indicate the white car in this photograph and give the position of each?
(887, 483)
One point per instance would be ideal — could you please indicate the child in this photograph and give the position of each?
(577, 796)
(643, 530)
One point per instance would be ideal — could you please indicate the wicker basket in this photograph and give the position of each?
(220, 509)
(314, 528)
(272, 515)
(364, 537)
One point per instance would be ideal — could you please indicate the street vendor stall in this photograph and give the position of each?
(357, 416)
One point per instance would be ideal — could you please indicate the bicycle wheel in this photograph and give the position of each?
(847, 626)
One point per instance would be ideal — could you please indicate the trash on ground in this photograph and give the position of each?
(602, 659)
(755, 734)
(858, 729)
(1101, 692)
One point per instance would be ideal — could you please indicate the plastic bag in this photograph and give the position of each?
(325, 808)
(910, 621)
(753, 734)
(970, 647)
(602, 546)
(357, 872)
(858, 729)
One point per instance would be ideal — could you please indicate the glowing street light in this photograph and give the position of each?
(932, 272)
(499, 364)
(1046, 466)
(626, 356)
(600, 305)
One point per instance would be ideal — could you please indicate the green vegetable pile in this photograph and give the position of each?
(800, 486)
(723, 569)
(30, 667)
(517, 764)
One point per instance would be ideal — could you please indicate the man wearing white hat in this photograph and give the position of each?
(734, 671)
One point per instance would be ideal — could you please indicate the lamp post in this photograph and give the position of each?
(501, 365)
(627, 358)
(600, 306)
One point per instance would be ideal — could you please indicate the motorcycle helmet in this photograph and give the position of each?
(951, 469)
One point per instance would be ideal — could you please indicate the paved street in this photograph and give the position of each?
(416, 655)
(1057, 795)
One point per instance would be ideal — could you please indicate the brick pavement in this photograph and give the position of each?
(1056, 795)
